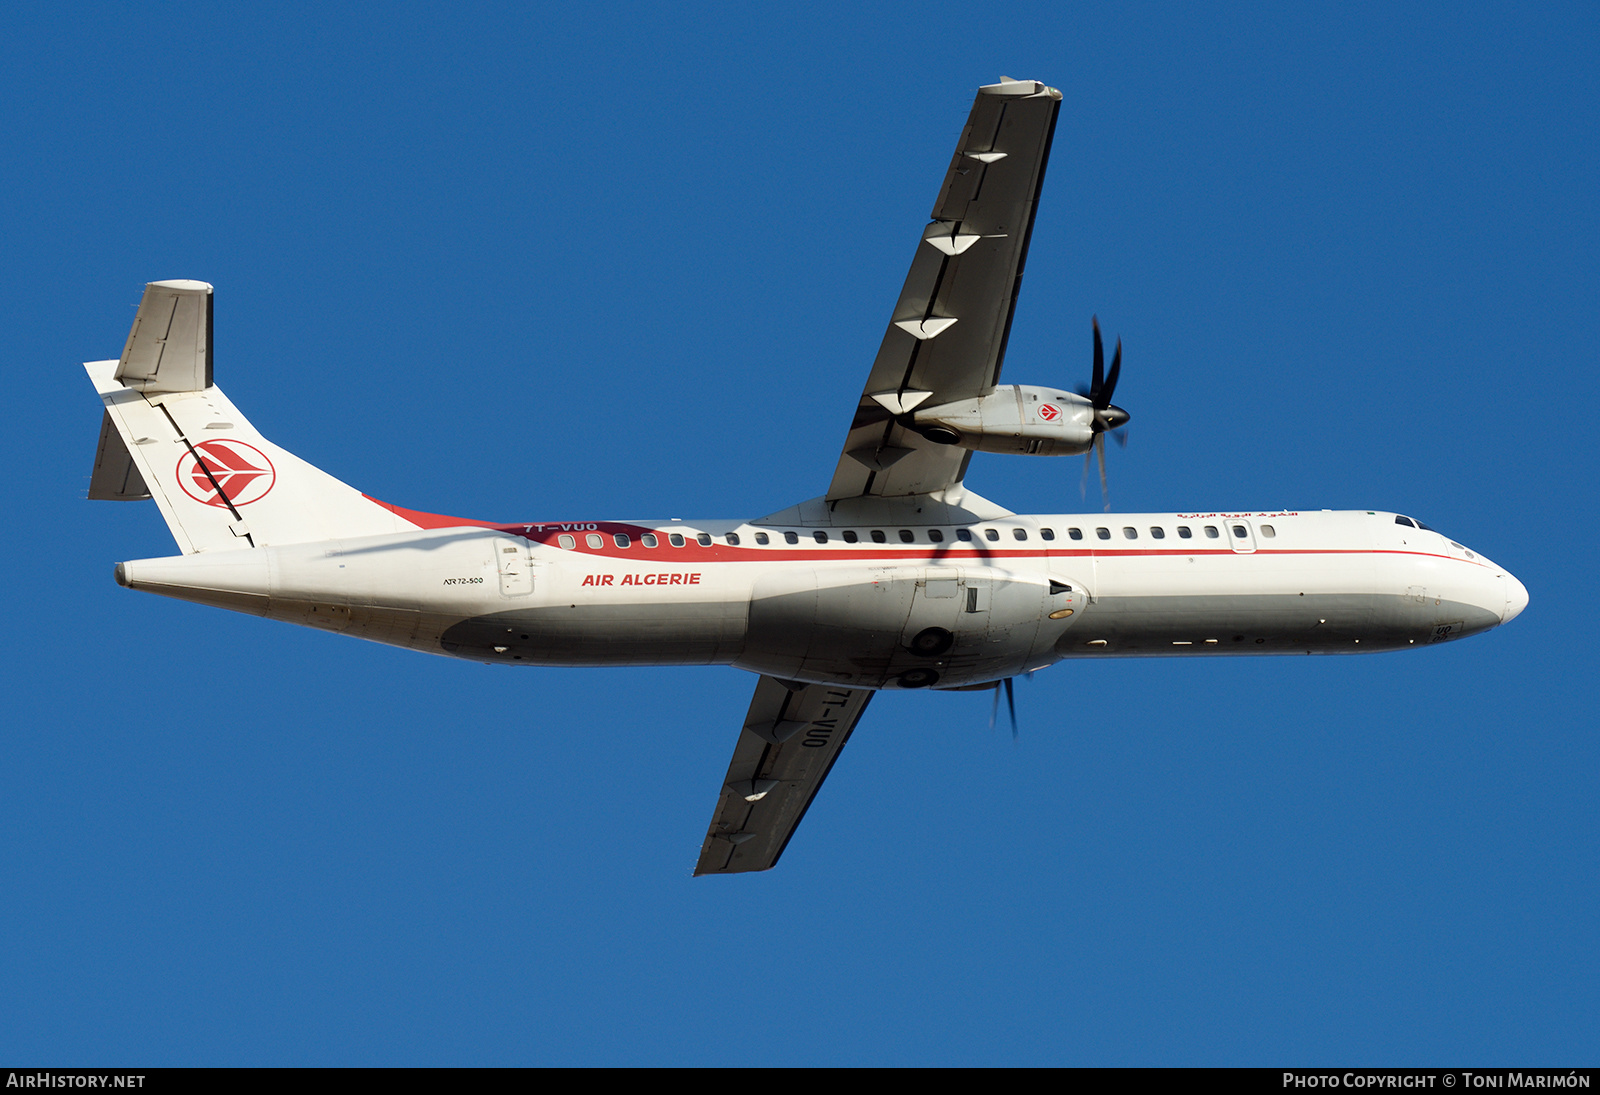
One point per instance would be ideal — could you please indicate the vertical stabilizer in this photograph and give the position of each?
(171, 435)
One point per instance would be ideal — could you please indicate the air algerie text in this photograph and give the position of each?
(642, 580)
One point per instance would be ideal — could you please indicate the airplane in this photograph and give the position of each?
(897, 577)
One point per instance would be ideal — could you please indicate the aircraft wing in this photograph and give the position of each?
(791, 737)
(947, 337)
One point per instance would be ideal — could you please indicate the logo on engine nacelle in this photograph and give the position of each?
(1049, 412)
(242, 472)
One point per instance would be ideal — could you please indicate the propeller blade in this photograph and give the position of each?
(994, 712)
(1088, 458)
(1121, 436)
(1099, 364)
(1100, 448)
(1104, 396)
(1011, 702)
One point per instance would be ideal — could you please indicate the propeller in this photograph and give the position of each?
(1011, 704)
(1106, 415)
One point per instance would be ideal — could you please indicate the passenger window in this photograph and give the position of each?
(1240, 532)
(1268, 531)
(648, 539)
(732, 538)
(762, 538)
(622, 540)
(1047, 534)
(1157, 532)
(1406, 521)
(1075, 533)
(991, 534)
(1184, 533)
(594, 540)
(1103, 533)
(820, 537)
(963, 534)
(850, 537)
(703, 539)
(935, 536)
(878, 537)
(907, 536)
(675, 539)
(1130, 533)
(791, 538)
(1019, 534)
(567, 541)
(1211, 532)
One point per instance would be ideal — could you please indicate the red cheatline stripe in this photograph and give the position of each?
(546, 533)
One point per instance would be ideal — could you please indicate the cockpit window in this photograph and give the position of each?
(1406, 521)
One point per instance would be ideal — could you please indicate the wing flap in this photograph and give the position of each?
(792, 735)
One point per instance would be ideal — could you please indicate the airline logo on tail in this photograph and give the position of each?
(241, 472)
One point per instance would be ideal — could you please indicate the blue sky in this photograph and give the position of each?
(521, 264)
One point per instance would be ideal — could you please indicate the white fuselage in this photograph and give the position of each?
(940, 606)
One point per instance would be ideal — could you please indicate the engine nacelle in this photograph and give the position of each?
(1014, 418)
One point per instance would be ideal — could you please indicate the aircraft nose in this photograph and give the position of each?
(1516, 599)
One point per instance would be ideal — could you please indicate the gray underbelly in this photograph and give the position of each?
(1322, 623)
(705, 633)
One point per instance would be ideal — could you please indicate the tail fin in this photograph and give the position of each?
(171, 435)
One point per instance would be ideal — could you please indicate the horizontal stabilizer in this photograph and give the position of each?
(169, 348)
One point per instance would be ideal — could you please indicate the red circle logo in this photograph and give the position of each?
(1049, 412)
(241, 472)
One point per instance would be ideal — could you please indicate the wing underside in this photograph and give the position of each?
(791, 737)
(947, 338)
(946, 341)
